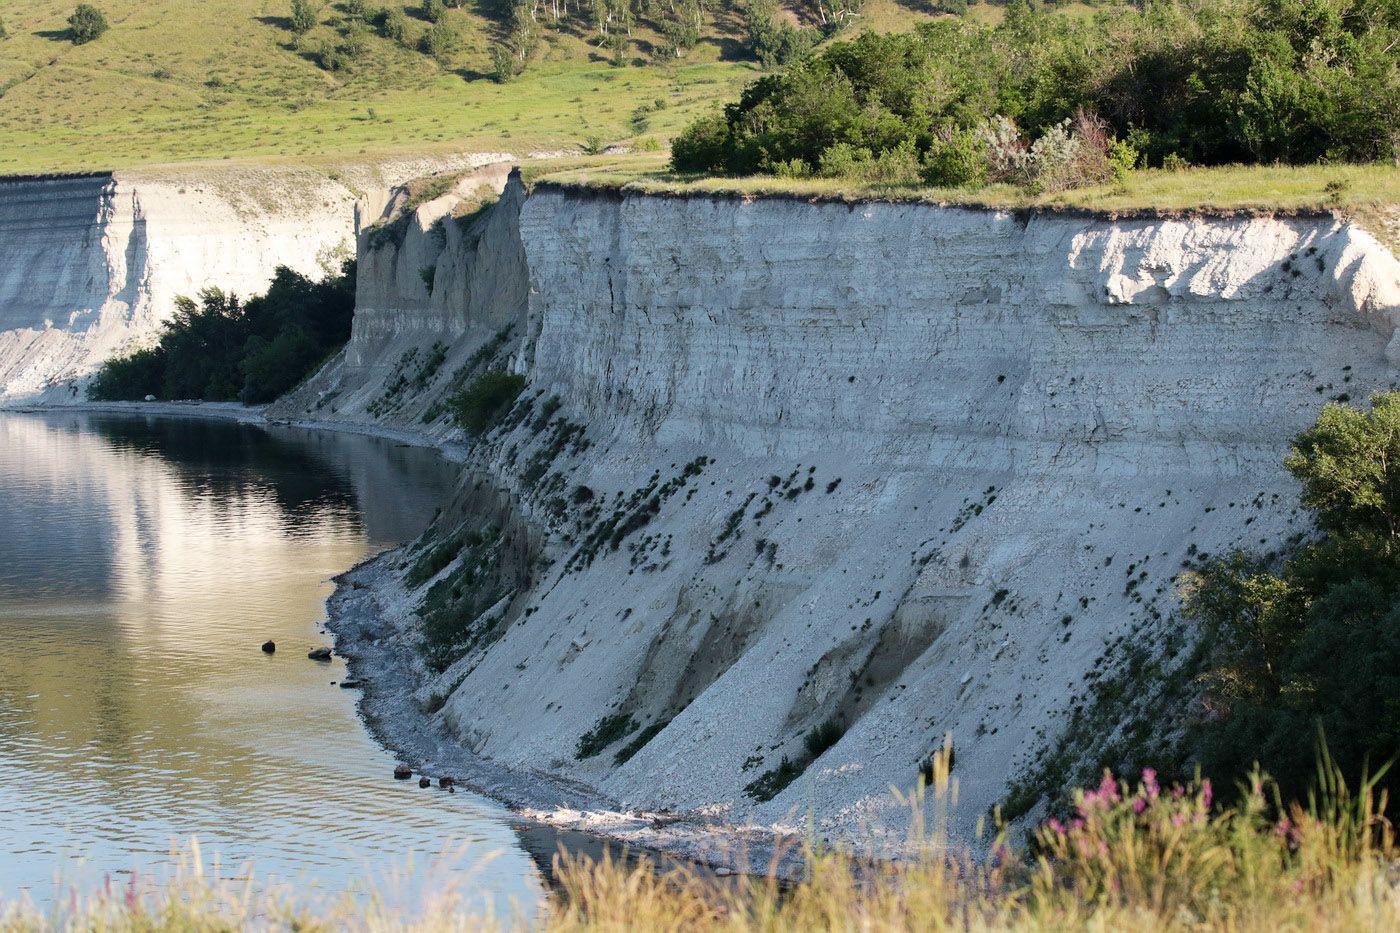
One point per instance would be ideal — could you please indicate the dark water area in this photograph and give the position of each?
(143, 561)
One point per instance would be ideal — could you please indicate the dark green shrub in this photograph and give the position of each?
(486, 399)
(305, 16)
(823, 737)
(772, 782)
(608, 730)
(86, 24)
(438, 41)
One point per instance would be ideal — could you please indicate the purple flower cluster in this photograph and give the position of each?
(1114, 811)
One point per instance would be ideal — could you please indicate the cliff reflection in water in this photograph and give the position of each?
(142, 564)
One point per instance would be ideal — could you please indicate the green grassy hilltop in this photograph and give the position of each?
(193, 80)
(179, 80)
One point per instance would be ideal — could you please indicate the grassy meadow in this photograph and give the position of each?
(180, 81)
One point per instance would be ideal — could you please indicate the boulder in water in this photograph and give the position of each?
(402, 772)
(425, 781)
(269, 646)
(319, 654)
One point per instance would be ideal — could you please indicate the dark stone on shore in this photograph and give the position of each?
(425, 782)
(446, 782)
(402, 772)
(269, 647)
(350, 684)
(319, 654)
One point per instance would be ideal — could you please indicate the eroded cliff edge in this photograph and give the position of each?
(826, 482)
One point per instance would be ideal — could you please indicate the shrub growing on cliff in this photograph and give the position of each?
(482, 403)
(86, 24)
(1282, 627)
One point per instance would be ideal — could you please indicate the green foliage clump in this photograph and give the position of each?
(305, 16)
(489, 396)
(1313, 638)
(774, 781)
(393, 24)
(438, 40)
(639, 742)
(1236, 81)
(608, 730)
(823, 737)
(772, 42)
(223, 349)
(86, 24)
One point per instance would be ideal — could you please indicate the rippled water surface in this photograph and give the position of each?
(143, 562)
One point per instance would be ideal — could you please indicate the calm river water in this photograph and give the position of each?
(143, 561)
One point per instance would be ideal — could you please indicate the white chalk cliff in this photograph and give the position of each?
(90, 265)
(902, 469)
(941, 456)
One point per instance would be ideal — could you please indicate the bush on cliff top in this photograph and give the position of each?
(1236, 81)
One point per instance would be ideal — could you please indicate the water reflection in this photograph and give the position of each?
(143, 561)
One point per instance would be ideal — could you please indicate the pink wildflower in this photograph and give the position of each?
(1205, 792)
(1139, 805)
(1108, 788)
(1149, 781)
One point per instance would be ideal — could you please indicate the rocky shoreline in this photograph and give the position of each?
(366, 612)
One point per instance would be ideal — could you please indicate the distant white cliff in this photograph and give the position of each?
(90, 265)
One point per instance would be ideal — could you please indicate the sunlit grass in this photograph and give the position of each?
(1368, 193)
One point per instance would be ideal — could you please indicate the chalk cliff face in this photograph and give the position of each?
(434, 282)
(871, 473)
(91, 265)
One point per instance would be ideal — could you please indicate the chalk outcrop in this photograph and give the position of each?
(90, 265)
(826, 482)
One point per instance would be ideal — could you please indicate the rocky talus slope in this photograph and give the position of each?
(90, 265)
(794, 490)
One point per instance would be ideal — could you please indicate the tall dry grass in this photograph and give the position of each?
(1137, 857)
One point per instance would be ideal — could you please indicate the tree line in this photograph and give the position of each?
(221, 348)
(1170, 83)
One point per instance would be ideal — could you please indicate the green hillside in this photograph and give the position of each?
(177, 80)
